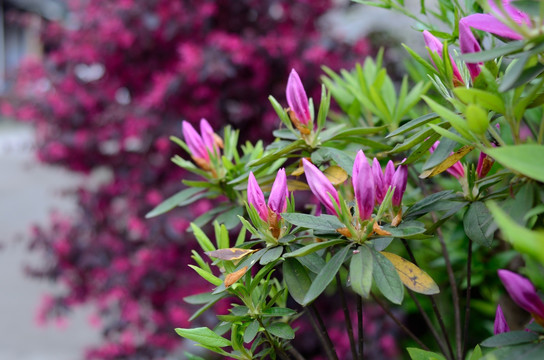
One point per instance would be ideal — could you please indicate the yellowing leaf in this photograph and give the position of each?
(413, 277)
(229, 254)
(293, 185)
(298, 171)
(235, 276)
(446, 164)
(336, 174)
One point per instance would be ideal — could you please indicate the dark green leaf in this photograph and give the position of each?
(251, 331)
(173, 201)
(476, 222)
(527, 6)
(325, 276)
(380, 244)
(308, 249)
(201, 298)
(271, 255)
(230, 217)
(277, 311)
(426, 205)
(407, 229)
(412, 124)
(296, 278)
(387, 279)
(510, 338)
(323, 222)
(281, 330)
(341, 158)
(360, 271)
(513, 73)
(292, 147)
(534, 351)
(442, 151)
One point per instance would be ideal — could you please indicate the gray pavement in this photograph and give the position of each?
(28, 191)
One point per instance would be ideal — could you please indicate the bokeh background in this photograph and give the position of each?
(90, 92)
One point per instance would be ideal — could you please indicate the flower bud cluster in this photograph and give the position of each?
(203, 147)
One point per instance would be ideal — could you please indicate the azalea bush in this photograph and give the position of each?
(427, 200)
(114, 82)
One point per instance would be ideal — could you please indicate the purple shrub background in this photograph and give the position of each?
(115, 83)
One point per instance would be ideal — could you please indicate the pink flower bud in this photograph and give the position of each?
(363, 186)
(399, 183)
(500, 326)
(277, 202)
(377, 173)
(255, 197)
(321, 186)
(436, 46)
(484, 165)
(208, 136)
(297, 98)
(468, 44)
(388, 174)
(523, 293)
(194, 141)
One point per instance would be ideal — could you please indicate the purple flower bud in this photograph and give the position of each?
(523, 293)
(469, 44)
(436, 46)
(277, 202)
(500, 326)
(485, 163)
(208, 136)
(363, 186)
(399, 183)
(255, 197)
(321, 186)
(381, 190)
(194, 141)
(388, 175)
(297, 98)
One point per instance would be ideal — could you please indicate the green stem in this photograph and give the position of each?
(541, 130)
(347, 316)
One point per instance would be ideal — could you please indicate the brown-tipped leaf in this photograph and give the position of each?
(230, 253)
(413, 277)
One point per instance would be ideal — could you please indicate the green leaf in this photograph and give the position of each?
(251, 331)
(356, 132)
(360, 271)
(387, 279)
(328, 153)
(308, 249)
(201, 298)
(480, 97)
(428, 204)
(492, 54)
(173, 201)
(296, 278)
(525, 159)
(207, 275)
(323, 222)
(524, 240)
(204, 336)
(476, 353)
(418, 354)
(512, 74)
(281, 330)
(407, 229)
(476, 223)
(271, 255)
(527, 6)
(230, 217)
(449, 135)
(277, 311)
(455, 120)
(510, 338)
(292, 147)
(442, 151)
(325, 276)
(202, 239)
(533, 351)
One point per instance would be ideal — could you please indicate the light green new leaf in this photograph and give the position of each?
(418, 354)
(525, 159)
(204, 336)
(524, 240)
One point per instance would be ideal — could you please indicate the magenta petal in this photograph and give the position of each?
(377, 173)
(523, 292)
(388, 175)
(363, 186)
(489, 23)
(277, 201)
(255, 197)
(469, 44)
(208, 136)
(194, 141)
(321, 186)
(297, 98)
(399, 183)
(515, 14)
(500, 326)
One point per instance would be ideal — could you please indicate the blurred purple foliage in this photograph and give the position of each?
(116, 80)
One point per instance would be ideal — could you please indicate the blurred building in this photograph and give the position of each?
(20, 22)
